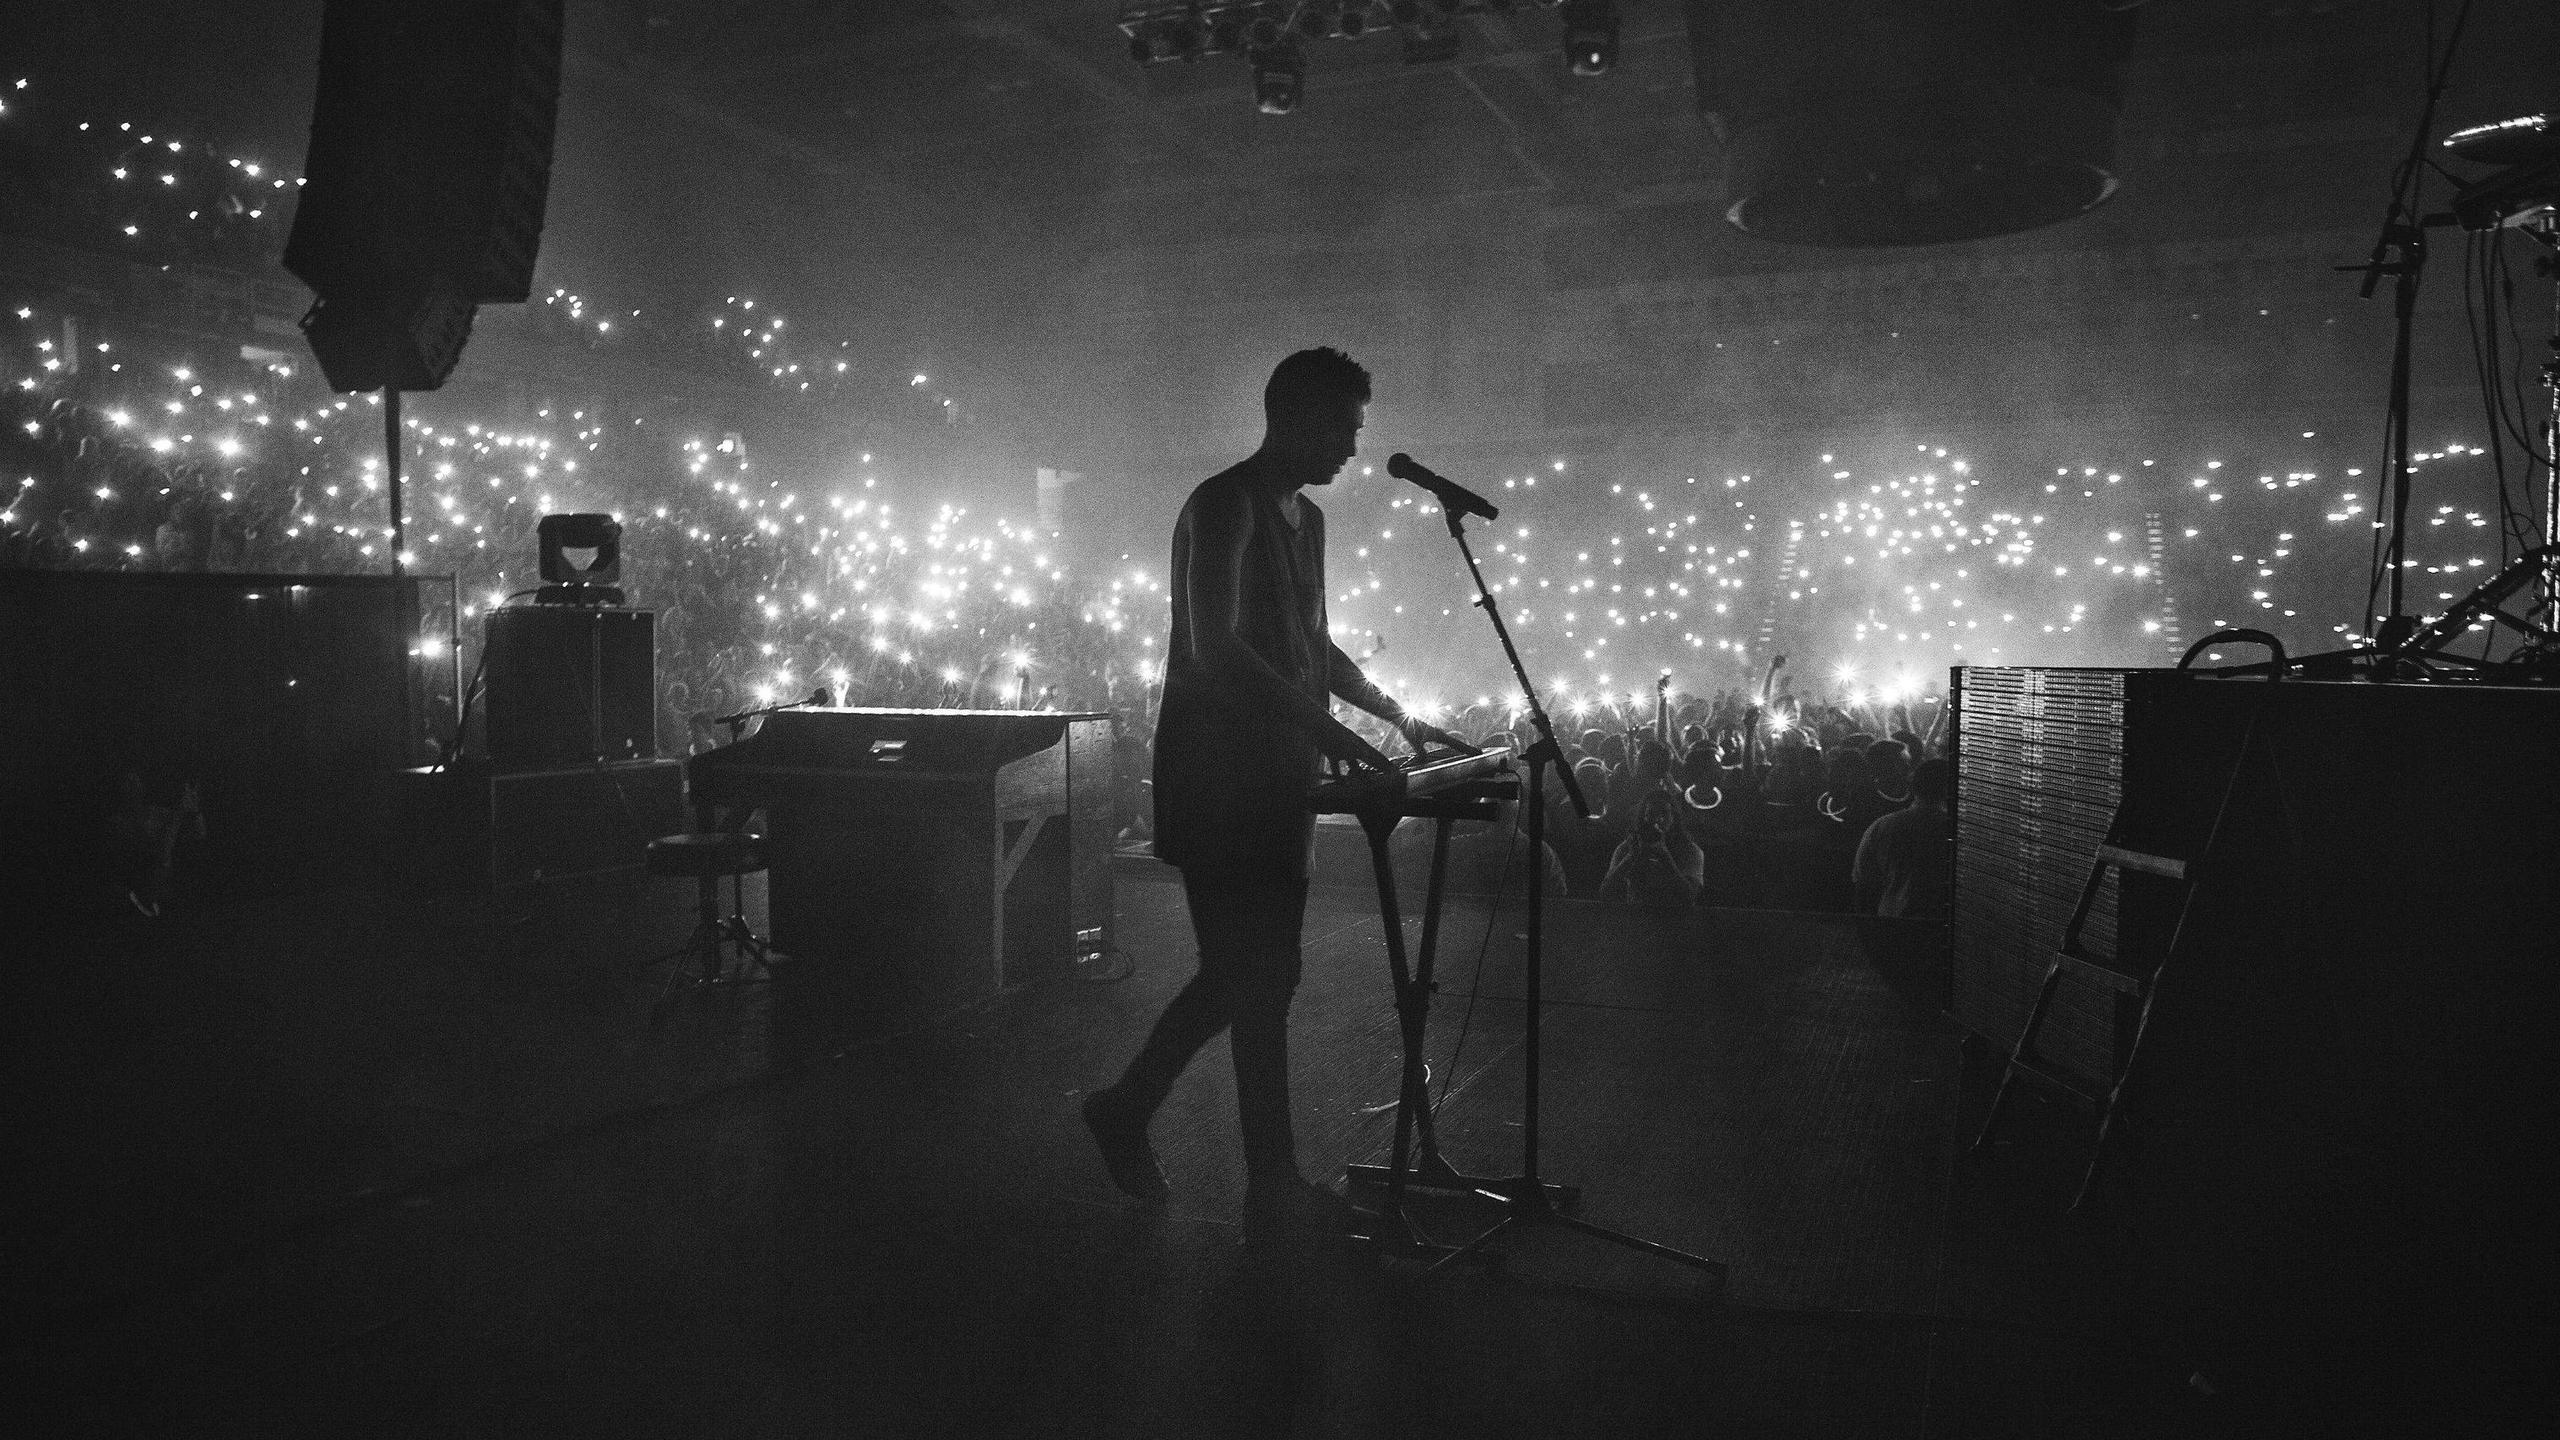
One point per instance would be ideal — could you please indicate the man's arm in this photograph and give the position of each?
(1617, 884)
(1221, 524)
(1346, 680)
(1867, 869)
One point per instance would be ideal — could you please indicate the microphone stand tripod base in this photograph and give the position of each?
(1433, 1173)
(1526, 1204)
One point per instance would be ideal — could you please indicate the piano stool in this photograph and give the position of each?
(704, 958)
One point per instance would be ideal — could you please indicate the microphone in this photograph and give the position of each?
(819, 696)
(1455, 498)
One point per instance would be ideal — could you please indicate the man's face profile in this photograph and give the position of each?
(1323, 438)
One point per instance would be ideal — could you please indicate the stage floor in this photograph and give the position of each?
(416, 1165)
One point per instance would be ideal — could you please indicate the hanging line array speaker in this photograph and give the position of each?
(424, 185)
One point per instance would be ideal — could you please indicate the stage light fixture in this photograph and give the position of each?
(1590, 36)
(1279, 78)
(581, 558)
(1315, 21)
(1262, 31)
(2529, 147)
(1355, 21)
(1226, 35)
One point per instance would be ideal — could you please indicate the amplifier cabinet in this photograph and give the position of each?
(587, 820)
(2039, 759)
(570, 685)
(2375, 933)
(503, 831)
(286, 700)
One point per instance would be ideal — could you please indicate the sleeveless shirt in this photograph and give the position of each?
(1232, 772)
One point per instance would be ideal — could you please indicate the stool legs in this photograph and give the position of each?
(750, 946)
(704, 957)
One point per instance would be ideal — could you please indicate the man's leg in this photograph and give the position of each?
(1261, 927)
(1189, 1020)
(1118, 1115)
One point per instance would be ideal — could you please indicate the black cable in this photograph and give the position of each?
(2238, 636)
(2499, 364)
(1484, 946)
(2479, 318)
(462, 725)
(2407, 181)
(2515, 367)
(2495, 375)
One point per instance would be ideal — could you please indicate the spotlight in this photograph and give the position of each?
(1315, 21)
(1590, 36)
(581, 558)
(1262, 31)
(1226, 35)
(1279, 78)
(1355, 20)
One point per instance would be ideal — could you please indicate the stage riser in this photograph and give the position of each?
(503, 834)
(2388, 853)
(288, 700)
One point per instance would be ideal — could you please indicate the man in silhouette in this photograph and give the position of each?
(1246, 720)
(1906, 860)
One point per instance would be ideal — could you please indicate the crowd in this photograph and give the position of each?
(1730, 800)
(1722, 799)
(1835, 802)
(143, 454)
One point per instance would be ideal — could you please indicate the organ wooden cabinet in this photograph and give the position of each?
(965, 849)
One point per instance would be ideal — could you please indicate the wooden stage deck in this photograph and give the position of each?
(406, 1165)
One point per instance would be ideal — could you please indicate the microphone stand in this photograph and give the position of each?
(704, 812)
(1524, 1197)
(738, 722)
(2402, 647)
(2401, 253)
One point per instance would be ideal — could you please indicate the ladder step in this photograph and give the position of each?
(2098, 972)
(2058, 1079)
(2124, 859)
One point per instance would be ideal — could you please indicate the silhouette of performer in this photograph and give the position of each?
(1246, 719)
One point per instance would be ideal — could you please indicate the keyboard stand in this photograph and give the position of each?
(1416, 1161)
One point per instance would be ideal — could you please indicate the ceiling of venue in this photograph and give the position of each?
(996, 189)
(1036, 108)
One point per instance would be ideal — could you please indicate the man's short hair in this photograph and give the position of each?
(1313, 381)
(1930, 780)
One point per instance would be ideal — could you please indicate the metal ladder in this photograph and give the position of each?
(2071, 959)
